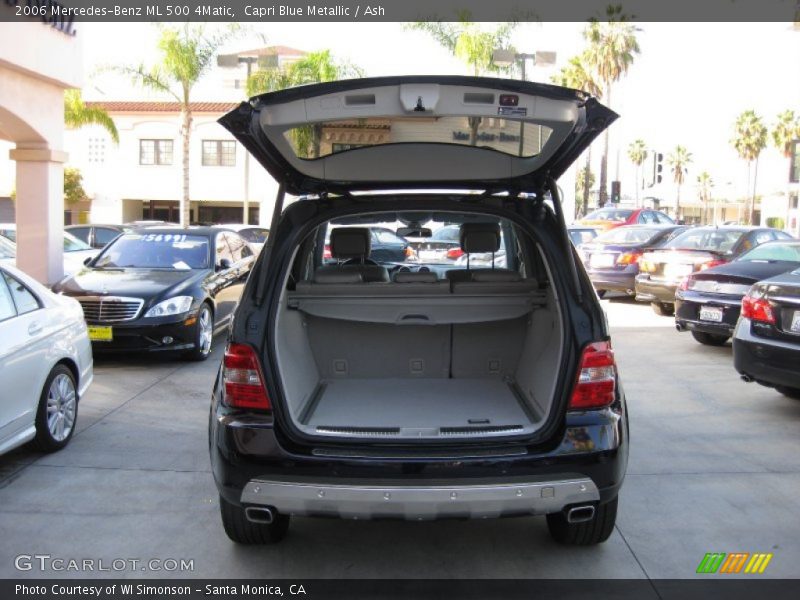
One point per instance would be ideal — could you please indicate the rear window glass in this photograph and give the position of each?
(73, 244)
(628, 235)
(156, 251)
(254, 235)
(503, 135)
(783, 252)
(718, 240)
(581, 236)
(609, 214)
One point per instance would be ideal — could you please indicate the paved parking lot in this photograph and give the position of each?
(715, 466)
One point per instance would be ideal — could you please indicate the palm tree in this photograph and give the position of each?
(472, 45)
(704, 185)
(749, 139)
(576, 74)
(678, 161)
(637, 153)
(585, 178)
(187, 52)
(610, 53)
(315, 67)
(77, 114)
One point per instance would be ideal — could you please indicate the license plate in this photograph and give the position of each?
(431, 254)
(676, 271)
(601, 261)
(796, 322)
(711, 313)
(100, 334)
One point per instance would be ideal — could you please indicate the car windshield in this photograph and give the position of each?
(627, 235)
(156, 251)
(73, 244)
(254, 235)
(618, 215)
(446, 234)
(713, 239)
(789, 252)
(581, 236)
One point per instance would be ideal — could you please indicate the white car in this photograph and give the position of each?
(75, 251)
(253, 235)
(45, 363)
(8, 252)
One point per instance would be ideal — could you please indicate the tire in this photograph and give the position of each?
(588, 533)
(242, 531)
(57, 413)
(789, 392)
(203, 334)
(709, 339)
(663, 309)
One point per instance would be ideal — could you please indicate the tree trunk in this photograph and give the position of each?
(678, 204)
(587, 174)
(604, 159)
(755, 185)
(185, 204)
(747, 209)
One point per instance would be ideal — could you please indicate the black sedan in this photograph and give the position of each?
(164, 289)
(766, 342)
(696, 249)
(612, 258)
(707, 303)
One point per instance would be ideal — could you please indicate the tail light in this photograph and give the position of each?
(409, 252)
(712, 263)
(596, 379)
(244, 385)
(326, 253)
(684, 284)
(455, 253)
(629, 258)
(757, 308)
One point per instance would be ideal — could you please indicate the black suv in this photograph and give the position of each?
(419, 390)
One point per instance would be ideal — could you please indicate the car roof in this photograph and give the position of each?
(204, 230)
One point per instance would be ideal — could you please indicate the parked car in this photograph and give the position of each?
(766, 342)
(97, 236)
(45, 363)
(385, 246)
(442, 246)
(252, 234)
(162, 289)
(443, 391)
(603, 219)
(76, 252)
(708, 303)
(612, 258)
(696, 249)
(581, 235)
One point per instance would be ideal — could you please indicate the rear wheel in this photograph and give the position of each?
(587, 533)
(58, 410)
(789, 391)
(709, 339)
(242, 531)
(663, 309)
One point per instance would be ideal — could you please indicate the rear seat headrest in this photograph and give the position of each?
(423, 277)
(480, 237)
(495, 276)
(338, 276)
(350, 242)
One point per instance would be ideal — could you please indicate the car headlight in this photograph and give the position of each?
(172, 306)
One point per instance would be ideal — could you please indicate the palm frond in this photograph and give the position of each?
(77, 114)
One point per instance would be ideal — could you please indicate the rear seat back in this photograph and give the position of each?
(480, 238)
(352, 243)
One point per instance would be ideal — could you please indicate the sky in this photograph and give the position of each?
(686, 87)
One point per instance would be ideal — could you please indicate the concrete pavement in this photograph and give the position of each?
(715, 467)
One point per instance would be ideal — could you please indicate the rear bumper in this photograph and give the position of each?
(613, 281)
(687, 313)
(421, 501)
(769, 362)
(648, 290)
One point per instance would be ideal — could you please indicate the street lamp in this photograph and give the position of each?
(505, 58)
(232, 61)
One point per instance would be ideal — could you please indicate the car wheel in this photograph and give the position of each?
(57, 411)
(242, 531)
(709, 339)
(203, 334)
(587, 533)
(663, 309)
(789, 391)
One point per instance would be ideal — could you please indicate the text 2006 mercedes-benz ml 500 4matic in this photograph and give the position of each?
(399, 388)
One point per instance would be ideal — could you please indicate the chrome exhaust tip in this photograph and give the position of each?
(262, 515)
(580, 514)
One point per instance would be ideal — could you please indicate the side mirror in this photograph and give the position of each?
(224, 264)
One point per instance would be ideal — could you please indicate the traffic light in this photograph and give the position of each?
(658, 167)
(616, 192)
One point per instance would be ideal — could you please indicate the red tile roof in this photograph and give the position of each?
(125, 106)
(273, 51)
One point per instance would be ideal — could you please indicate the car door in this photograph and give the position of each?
(23, 348)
